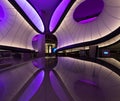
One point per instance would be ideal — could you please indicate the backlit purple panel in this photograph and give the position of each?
(35, 38)
(57, 14)
(88, 11)
(1, 13)
(37, 41)
(2, 91)
(33, 87)
(32, 14)
(88, 20)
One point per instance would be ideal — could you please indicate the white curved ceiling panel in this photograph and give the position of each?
(84, 70)
(31, 13)
(58, 13)
(14, 30)
(111, 41)
(71, 32)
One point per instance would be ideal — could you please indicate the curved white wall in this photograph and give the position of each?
(14, 30)
(70, 32)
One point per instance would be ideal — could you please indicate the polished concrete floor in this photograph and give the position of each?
(59, 79)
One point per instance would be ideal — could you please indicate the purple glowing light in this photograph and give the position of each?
(33, 87)
(35, 38)
(57, 14)
(88, 82)
(32, 14)
(88, 11)
(88, 20)
(40, 5)
(39, 63)
(35, 41)
(1, 13)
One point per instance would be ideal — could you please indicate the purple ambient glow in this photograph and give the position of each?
(35, 38)
(37, 41)
(1, 13)
(39, 63)
(57, 87)
(57, 14)
(2, 91)
(88, 20)
(88, 82)
(33, 87)
(87, 91)
(32, 14)
(88, 11)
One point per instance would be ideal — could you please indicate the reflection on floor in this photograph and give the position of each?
(112, 61)
(59, 79)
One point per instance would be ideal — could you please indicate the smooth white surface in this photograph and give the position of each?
(14, 30)
(32, 14)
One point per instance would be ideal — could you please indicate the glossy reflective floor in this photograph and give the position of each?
(59, 79)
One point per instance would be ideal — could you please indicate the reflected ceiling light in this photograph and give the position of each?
(29, 13)
(36, 84)
(88, 20)
(39, 63)
(58, 13)
(35, 41)
(88, 82)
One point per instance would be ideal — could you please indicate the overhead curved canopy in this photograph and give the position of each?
(71, 32)
(44, 17)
